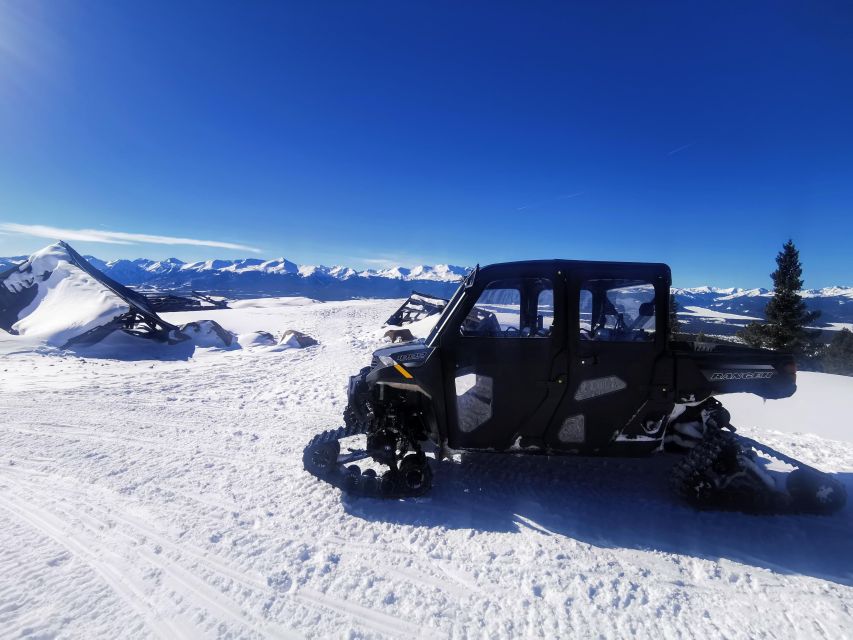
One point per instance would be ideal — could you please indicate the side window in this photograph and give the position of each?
(515, 308)
(545, 310)
(617, 310)
(586, 312)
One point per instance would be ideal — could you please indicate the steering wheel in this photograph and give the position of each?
(511, 332)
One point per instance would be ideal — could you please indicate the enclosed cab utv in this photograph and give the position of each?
(572, 357)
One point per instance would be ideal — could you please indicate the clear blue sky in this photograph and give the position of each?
(409, 132)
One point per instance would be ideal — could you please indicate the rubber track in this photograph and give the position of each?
(364, 483)
(695, 479)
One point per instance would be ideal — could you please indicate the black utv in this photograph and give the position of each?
(567, 357)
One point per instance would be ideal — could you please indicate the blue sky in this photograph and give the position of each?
(387, 132)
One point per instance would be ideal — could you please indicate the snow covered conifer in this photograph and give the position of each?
(786, 314)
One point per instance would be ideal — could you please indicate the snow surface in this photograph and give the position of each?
(711, 313)
(827, 412)
(166, 498)
(838, 326)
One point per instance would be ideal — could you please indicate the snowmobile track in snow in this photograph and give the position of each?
(206, 597)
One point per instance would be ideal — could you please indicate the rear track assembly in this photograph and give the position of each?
(722, 471)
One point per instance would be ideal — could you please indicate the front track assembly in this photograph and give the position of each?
(408, 474)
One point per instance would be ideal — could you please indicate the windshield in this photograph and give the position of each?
(445, 313)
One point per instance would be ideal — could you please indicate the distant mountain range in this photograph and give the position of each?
(254, 277)
(724, 311)
(708, 309)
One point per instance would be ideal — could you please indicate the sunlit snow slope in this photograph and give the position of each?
(166, 499)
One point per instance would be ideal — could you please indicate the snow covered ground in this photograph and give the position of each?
(165, 498)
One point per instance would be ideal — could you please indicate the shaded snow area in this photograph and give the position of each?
(166, 499)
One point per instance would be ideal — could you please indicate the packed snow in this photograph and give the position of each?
(145, 498)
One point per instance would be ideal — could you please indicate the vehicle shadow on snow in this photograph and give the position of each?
(613, 503)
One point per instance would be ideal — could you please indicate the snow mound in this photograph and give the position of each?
(208, 333)
(296, 340)
(51, 298)
(256, 339)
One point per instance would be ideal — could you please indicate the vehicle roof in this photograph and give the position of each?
(580, 264)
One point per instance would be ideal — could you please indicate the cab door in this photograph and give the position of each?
(617, 336)
(504, 358)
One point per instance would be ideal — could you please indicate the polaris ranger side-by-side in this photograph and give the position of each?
(567, 357)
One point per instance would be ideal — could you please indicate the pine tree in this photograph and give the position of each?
(838, 357)
(786, 314)
(674, 324)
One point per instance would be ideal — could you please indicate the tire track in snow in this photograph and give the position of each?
(461, 585)
(211, 600)
(376, 620)
(216, 601)
(72, 433)
(44, 524)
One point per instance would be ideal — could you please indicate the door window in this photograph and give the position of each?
(545, 309)
(515, 308)
(617, 310)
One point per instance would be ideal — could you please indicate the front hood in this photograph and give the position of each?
(409, 353)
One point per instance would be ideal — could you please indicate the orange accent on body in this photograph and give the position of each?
(403, 371)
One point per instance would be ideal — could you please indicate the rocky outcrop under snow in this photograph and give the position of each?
(296, 339)
(208, 333)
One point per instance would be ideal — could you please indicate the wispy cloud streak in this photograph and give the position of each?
(536, 205)
(683, 147)
(114, 237)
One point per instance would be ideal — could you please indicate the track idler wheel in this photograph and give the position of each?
(815, 492)
(322, 460)
(415, 475)
(352, 478)
(371, 484)
(390, 483)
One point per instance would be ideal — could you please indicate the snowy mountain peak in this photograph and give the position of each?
(164, 266)
(142, 270)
